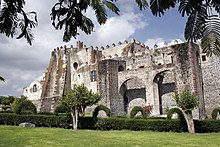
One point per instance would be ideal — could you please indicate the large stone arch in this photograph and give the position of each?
(133, 91)
(163, 90)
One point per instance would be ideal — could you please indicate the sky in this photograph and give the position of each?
(21, 63)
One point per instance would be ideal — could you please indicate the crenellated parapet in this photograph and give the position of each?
(126, 74)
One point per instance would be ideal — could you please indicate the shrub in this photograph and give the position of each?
(24, 106)
(215, 112)
(87, 123)
(38, 120)
(201, 126)
(99, 108)
(140, 124)
(173, 111)
(137, 109)
(61, 109)
(207, 125)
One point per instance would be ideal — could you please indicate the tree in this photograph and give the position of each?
(16, 101)
(14, 19)
(65, 13)
(69, 15)
(187, 101)
(6, 102)
(25, 107)
(77, 100)
(201, 24)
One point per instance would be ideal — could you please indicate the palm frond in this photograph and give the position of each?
(142, 4)
(111, 6)
(11, 15)
(187, 7)
(100, 11)
(158, 7)
(210, 42)
(195, 25)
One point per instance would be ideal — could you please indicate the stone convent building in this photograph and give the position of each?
(130, 74)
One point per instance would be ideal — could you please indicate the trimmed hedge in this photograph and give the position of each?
(207, 126)
(215, 112)
(99, 108)
(137, 109)
(173, 111)
(63, 121)
(162, 125)
(38, 120)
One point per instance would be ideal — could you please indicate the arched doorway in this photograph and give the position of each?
(164, 87)
(133, 92)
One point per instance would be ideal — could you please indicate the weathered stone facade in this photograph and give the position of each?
(33, 93)
(130, 74)
(211, 81)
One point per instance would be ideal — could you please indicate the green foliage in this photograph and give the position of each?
(161, 125)
(70, 15)
(16, 102)
(201, 23)
(25, 107)
(186, 100)
(7, 100)
(215, 112)
(195, 24)
(140, 124)
(38, 120)
(14, 19)
(61, 109)
(87, 123)
(137, 109)
(207, 126)
(64, 121)
(211, 37)
(12, 136)
(45, 113)
(99, 108)
(79, 98)
(173, 111)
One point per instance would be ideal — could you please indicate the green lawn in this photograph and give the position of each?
(50, 137)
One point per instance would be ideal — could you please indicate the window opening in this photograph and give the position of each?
(35, 88)
(93, 76)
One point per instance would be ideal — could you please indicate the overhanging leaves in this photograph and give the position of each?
(158, 7)
(13, 14)
(210, 42)
(195, 25)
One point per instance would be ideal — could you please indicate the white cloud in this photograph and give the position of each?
(20, 63)
(116, 28)
(152, 41)
(161, 42)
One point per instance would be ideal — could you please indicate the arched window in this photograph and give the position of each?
(35, 88)
(93, 76)
(75, 65)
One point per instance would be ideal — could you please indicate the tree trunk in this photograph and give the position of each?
(75, 119)
(189, 120)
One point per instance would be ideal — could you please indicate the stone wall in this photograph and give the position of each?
(127, 74)
(211, 81)
(108, 85)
